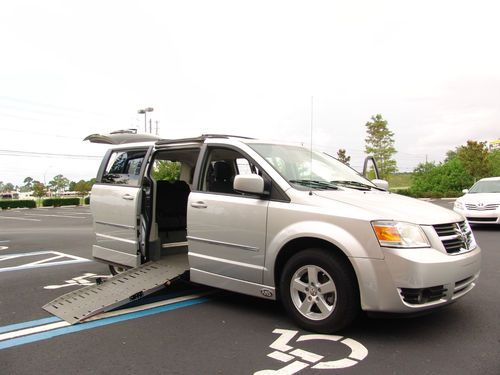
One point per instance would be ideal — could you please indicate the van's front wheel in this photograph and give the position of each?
(319, 290)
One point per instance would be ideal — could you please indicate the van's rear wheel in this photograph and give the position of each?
(319, 290)
(115, 270)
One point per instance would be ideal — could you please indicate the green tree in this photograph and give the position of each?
(83, 187)
(28, 183)
(166, 170)
(59, 183)
(380, 144)
(474, 158)
(448, 178)
(494, 158)
(342, 156)
(8, 187)
(39, 189)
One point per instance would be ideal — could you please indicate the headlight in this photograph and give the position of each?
(458, 205)
(400, 234)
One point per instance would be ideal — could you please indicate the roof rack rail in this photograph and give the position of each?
(180, 140)
(225, 136)
(197, 139)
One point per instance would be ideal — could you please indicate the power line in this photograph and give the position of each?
(49, 106)
(39, 133)
(46, 154)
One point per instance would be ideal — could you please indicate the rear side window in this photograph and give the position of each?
(124, 168)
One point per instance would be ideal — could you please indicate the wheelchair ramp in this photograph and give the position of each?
(131, 285)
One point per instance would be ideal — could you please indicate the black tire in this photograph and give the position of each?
(115, 270)
(323, 285)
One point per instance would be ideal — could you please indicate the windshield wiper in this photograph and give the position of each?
(354, 184)
(315, 184)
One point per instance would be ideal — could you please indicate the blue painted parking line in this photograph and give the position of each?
(39, 336)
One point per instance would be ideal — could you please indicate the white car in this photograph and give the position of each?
(481, 204)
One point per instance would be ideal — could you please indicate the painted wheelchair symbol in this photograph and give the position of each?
(303, 359)
(86, 279)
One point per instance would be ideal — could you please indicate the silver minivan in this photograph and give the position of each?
(278, 221)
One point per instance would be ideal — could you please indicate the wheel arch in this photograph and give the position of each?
(299, 244)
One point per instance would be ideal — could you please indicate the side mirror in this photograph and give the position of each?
(383, 184)
(465, 191)
(249, 183)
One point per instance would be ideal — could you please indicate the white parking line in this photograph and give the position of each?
(75, 213)
(64, 216)
(17, 218)
(51, 260)
(112, 316)
(29, 331)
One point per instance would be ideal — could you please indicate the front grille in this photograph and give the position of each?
(480, 207)
(483, 219)
(423, 295)
(456, 237)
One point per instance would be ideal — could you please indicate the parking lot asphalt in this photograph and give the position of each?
(188, 329)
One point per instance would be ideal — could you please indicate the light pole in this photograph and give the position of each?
(145, 111)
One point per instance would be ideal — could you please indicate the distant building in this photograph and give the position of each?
(494, 145)
(9, 195)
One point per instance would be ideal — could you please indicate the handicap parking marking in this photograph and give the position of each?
(52, 258)
(86, 279)
(302, 359)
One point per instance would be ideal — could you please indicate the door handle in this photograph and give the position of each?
(128, 197)
(199, 204)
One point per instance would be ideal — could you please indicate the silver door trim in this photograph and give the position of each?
(115, 225)
(229, 244)
(116, 238)
(222, 260)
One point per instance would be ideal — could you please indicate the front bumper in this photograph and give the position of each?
(412, 280)
(480, 216)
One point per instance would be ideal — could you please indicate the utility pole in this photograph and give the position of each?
(156, 127)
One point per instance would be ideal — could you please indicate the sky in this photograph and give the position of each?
(265, 69)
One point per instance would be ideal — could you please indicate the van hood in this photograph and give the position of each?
(382, 205)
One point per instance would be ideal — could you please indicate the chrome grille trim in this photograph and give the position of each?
(486, 207)
(456, 237)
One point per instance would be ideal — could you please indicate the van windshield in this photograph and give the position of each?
(305, 170)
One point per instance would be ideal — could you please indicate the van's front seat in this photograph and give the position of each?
(222, 178)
